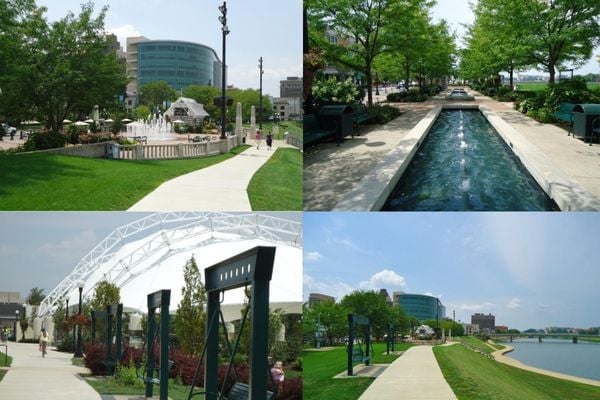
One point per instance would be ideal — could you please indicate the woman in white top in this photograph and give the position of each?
(44, 338)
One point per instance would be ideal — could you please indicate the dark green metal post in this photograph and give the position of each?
(164, 344)
(259, 339)
(211, 363)
(108, 359)
(149, 348)
(350, 344)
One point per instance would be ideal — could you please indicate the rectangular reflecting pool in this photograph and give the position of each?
(464, 165)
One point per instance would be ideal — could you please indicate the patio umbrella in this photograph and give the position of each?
(32, 122)
(81, 123)
(109, 120)
(125, 120)
(178, 121)
(89, 121)
(67, 121)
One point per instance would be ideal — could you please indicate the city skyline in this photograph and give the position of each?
(515, 266)
(278, 42)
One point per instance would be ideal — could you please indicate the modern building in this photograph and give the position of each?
(10, 303)
(386, 295)
(316, 298)
(420, 306)
(487, 323)
(291, 87)
(178, 63)
(289, 104)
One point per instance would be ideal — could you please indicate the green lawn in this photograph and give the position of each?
(41, 181)
(474, 377)
(284, 126)
(277, 185)
(321, 366)
(4, 363)
(541, 86)
(475, 343)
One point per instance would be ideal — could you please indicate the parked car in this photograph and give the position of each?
(8, 130)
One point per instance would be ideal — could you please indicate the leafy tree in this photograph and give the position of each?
(35, 297)
(446, 324)
(331, 316)
(153, 94)
(190, 318)
(204, 95)
(105, 294)
(372, 305)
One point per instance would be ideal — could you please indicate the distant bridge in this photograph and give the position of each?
(574, 336)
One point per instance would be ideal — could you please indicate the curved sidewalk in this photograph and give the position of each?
(49, 378)
(220, 187)
(415, 375)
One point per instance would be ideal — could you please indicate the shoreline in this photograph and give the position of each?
(499, 355)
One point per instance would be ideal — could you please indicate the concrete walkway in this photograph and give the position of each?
(415, 375)
(49, 378)
(220, 187)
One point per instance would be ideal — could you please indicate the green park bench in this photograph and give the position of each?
(313, 131)
(359, 355)
(565, 114)
(361, 115)
(240, 391)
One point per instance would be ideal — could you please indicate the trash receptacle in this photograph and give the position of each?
(113, 150)
(341, 115)
(583, 116)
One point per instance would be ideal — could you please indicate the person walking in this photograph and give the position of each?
(257, 138)
(278, 375)
(44, 338)
(269, 140)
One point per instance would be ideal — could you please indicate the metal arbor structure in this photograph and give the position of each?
(173, 228)
(252, 268)
(113, 314)
(160, 299)
(357, 354)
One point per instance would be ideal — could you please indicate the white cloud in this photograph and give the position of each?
(123, 32)
(313, 256)
(475, 306)
(513, 304)
(335, 288)
(67, 249)
(384, 279)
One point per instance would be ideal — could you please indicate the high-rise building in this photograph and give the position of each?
(385, 294)
(487, 323)
(420, 306)
(178, 63)
(316, 298)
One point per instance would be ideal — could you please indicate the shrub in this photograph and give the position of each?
(331, 91)
(412, 96)
(44, 140)
(126, 375)
(570, 91)
(383, 113)
(94, 359)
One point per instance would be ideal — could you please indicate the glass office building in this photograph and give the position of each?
(178, 63)
(420, 306)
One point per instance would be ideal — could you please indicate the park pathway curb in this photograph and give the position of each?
(415, 375)
(220, 187)
(32, 377)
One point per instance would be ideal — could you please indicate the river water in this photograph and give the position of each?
(581, 359)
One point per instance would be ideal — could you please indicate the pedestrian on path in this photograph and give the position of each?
(257, 138)
(269, 140)
(278, 375)
(44, 342)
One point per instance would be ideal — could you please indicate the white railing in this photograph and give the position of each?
(170, 151)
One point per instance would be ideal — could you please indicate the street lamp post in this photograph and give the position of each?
(376, 84)
(225, 29)
(260, 107)
(16, 321)
(67, 314)
(78, 350)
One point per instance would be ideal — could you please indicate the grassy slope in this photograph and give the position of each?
(51, 182)
(4, 363)
(540, 86)
(476, 344)
(321, 367)
(474, 377)
(277, 185)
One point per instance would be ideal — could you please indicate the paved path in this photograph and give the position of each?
(415, 375)
(220, 187)
(50, 378)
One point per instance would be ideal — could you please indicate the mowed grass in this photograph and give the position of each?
(39, 181)
(474, 377)
(541, 86)
(4, 362)
(109, 386)
(277, 185)
(320, 367)
(475, 343)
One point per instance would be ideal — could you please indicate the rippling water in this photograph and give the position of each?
(465, 165)
(581, 359)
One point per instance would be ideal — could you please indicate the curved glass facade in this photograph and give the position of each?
(421, 307)
(178, 63)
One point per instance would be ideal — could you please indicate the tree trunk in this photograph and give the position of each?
(511, 74)
(407, 75)
(552, 72)
(369, 79)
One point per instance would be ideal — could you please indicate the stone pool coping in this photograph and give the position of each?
(376, 186)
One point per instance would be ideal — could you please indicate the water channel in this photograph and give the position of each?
(581, 359)
(465, 165)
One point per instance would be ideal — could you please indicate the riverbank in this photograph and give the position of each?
(472, 375)
(500, 356)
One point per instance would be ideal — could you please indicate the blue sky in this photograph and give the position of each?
(528, 269)
(268, 28)
(42, 248)
(458, 12)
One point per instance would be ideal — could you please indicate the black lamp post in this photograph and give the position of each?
(78, 350)
(16, 321)
(225, 29)
(260, 107)
(376, 84)
(67, 314)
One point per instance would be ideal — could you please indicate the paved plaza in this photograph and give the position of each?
(330, 172)
(53, 377)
